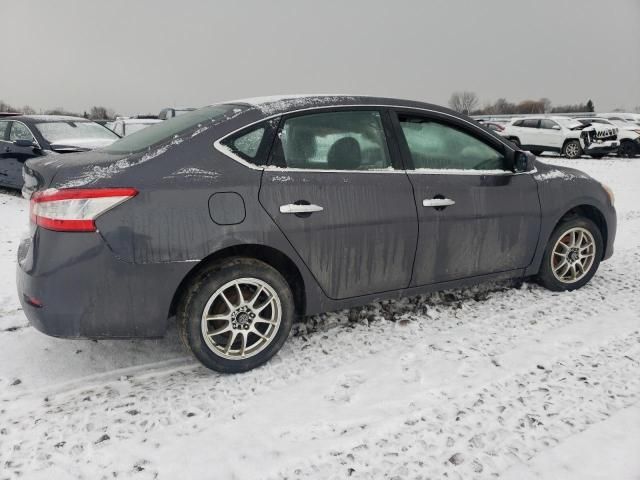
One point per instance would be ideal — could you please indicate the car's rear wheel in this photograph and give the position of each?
(572, 255)
(572, 149)
(236, 315)
(627, 149)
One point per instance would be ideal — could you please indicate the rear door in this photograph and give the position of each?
(337, 191)
(475, 216)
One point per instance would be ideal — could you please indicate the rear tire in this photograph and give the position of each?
(235, 315)
(574, 249)
(572, 149)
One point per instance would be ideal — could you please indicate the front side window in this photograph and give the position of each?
(530, 123)
(433, 145)
(548, 124)
(19, 131)
(3, 130)
(346, 140)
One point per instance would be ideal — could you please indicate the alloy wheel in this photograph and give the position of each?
(241, 318)
(573, 255)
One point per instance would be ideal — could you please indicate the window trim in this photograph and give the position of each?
(411, 168)
(263, 154)
(389, 108)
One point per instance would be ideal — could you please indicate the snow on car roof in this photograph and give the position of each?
(54, 118)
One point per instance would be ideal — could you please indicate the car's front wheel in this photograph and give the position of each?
(572, 255)
(236, 315)
(572, 149)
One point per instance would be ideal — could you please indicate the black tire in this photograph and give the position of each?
(537, 153)
(572, 149)
(627, 149)
(209, 280)
(547, 278)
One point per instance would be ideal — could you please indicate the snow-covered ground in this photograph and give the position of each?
(508, 381)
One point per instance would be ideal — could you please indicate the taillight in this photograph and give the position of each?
(75, 209)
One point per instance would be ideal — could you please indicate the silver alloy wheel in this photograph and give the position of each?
(573, 255)
(571, 150)
(241, 318)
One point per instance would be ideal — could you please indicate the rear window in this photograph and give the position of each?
(161, 132)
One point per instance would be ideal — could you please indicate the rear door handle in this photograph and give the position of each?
(294, 208)
(437, 202)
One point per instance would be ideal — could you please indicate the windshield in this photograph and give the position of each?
(70, 132)
(166, 130)
(130, 128)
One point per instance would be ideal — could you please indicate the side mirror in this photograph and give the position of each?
(522, 161)
(24, 143)
(556, 127)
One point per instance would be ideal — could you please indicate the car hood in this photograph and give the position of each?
(80, 144)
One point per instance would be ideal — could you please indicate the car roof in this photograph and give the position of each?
(51, 118)
(279, 104)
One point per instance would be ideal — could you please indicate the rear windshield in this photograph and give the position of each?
(163, 131)
(70, 131)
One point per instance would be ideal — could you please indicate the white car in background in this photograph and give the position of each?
(622, 116)
(628, 134)
(127, 126)
(563, 135)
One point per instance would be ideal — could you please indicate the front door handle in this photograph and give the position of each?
(295, 208)
(437, 202)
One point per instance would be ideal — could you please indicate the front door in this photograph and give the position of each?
(475, 217)
(12, 156)
(342, 201)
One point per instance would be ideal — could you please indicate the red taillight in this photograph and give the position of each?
(75, 209)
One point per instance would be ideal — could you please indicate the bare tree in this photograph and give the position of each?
(546, 103)
(463, 102)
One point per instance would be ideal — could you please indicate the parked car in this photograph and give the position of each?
(628, 134)
(236, 218)
(29, 136)
(167, 113)
(127, 126)
(563, 135)
(624, 116)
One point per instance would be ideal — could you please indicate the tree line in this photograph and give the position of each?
(469, 104)
(94, 113)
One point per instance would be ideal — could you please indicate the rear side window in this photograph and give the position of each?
(346, 140)
(433, 145)
(530, 123)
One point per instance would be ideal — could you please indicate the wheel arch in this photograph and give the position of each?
(269, 255)
(592, 213)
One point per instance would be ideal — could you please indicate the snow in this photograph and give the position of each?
(497, 381)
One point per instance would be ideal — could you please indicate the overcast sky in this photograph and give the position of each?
(139, 56)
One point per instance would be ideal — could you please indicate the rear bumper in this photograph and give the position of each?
(83, 290)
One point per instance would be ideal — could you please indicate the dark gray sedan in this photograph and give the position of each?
(238, 217)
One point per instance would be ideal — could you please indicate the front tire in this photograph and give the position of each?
(572, 255)
(572, 149)
(235, 315)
